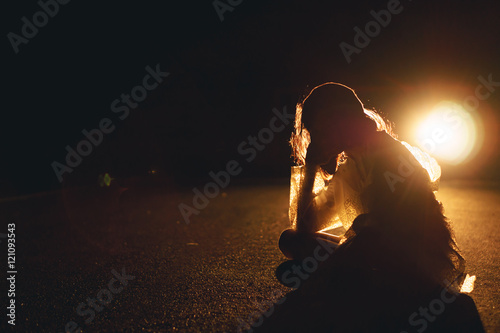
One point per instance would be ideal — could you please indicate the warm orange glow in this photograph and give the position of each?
(449, 133)
(295, 180)
(334, 223)
(382, 125)
(427, 162)
(468, 285)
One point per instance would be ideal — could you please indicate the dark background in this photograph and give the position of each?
(225, 79)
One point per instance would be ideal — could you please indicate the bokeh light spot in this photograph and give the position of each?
(105, 180)
(448, 133)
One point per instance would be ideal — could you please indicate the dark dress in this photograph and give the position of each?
(398, 270)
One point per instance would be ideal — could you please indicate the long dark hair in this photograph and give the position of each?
(301, 138)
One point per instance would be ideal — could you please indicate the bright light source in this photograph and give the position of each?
(468, 285)
(448, 133)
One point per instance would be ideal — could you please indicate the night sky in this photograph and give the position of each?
(224, 80)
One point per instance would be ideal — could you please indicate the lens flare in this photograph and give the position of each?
(448, 133)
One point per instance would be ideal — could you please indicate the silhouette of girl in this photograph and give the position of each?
(398, 252)
(379, 191)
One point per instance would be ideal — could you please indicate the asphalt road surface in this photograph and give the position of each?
(153, 272)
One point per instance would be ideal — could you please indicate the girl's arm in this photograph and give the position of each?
(305, 201)
(313, 211)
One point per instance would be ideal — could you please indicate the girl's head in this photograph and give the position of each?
(333, 118)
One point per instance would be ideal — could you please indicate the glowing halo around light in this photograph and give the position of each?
(448, 133)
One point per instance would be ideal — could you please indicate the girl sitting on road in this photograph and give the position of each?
(379, 192)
